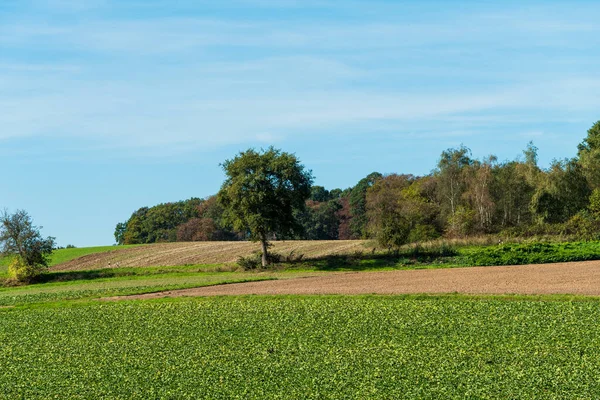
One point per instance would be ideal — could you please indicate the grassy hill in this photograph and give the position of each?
(64, 255)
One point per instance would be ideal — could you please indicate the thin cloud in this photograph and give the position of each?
(199, 82)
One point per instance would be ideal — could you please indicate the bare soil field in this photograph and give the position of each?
(171, 254)
(579, 278)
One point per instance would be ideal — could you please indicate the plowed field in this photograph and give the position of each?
(170, 254)
(580, 278)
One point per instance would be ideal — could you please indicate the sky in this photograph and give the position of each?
(110, 105)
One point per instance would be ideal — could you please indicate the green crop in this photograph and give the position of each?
(531, 253)
(81, 289)
(303, 348)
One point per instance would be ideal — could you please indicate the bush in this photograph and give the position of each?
(583, 226)
(254, 261)
(462, 223)
(20, 239)
(422, 233)
(534, 253)
(441, 250)
(19, 271)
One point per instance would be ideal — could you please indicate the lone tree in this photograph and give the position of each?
(261, 192)
(20, 239)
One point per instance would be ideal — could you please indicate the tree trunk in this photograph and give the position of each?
(263, 243)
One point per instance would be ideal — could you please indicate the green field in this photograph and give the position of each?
(63, 255)
(303, 347)
(130, 281)
(58, 340)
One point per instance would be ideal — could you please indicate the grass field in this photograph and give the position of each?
(302, 348)
(64, 255)
(126, 281)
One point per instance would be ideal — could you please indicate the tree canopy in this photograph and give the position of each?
(23, 241)
(261, 192)
(463, 196)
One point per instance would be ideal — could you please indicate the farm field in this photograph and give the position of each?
(97, 273)
(577, 278)
(146, 280)
(326, 255)
(321, 255)
(302, 347)
(190, 253)
(58, 339)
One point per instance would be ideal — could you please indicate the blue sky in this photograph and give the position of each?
(110, 105)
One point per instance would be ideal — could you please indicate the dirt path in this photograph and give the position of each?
(582, 278)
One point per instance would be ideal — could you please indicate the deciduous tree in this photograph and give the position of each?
(22, 240)
(261, 192)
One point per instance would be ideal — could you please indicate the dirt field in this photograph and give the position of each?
(581, 278)
(168, 254)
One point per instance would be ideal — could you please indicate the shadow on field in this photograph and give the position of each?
(362, 261)
(65, 276)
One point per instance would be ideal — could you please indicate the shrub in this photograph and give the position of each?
(583, 226)
(421, 233)
(534, 253)
(20, 239)
(20, 271)
(254, 261)
(441, 250)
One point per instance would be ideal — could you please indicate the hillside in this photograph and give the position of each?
(171, 254)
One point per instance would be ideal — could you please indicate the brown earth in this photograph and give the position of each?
(173, 254)
(580, 278)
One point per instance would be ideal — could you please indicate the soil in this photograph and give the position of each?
(578, 278)
(173, 254)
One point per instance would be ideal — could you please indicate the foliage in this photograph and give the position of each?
(320, 220)
(303, 347)
(451, 178)
(120, 231)
(589, 156)
(254, 261)
(513, 189)
(564, 194)
(157, 224)
(533, 253)
(594, 206)
(464, 196)
(319, 194)
(197, 229)
(20, 271)
(399, 211)
(209, 226)
(24, 242)
(461, 223)
(344, 216)
(261, 192)
(358, 205)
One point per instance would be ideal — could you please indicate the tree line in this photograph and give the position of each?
(462, 196)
